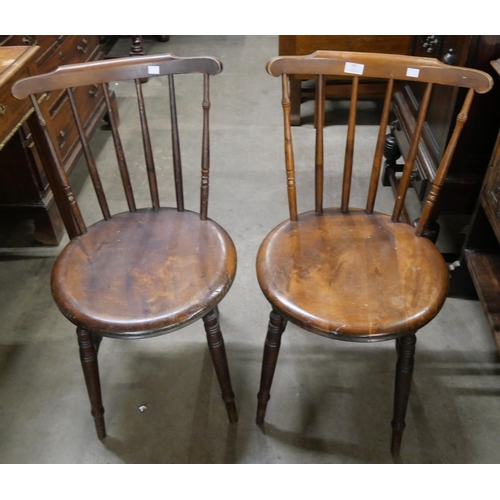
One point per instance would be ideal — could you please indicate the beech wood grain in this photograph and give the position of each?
(352, 276)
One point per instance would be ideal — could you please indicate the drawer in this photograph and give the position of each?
(47, 43)
(87, 99)
(71, 49)
(79, 48)
(12, 110)
(43, 41)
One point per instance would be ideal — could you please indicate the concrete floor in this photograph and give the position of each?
(331, 401)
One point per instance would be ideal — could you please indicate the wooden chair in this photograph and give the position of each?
(148, 271)
(355, 274)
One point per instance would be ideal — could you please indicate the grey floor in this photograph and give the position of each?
(331, 401)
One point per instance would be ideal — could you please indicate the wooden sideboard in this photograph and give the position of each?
(461, 190)
(15, 63)
(24, 187)
(482, 245)
(296, 45)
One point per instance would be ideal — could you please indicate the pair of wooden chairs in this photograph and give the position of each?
(344, 273)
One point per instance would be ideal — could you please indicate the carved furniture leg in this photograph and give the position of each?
(391, 153)
(88, 356)
(431, 229)
(404, 371)
(277, 325)
(49, 227)
(136, 49)
(218, 353)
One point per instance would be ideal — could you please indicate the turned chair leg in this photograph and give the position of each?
(219, 358)
(404, 371)
(277, 325)
(88, 356)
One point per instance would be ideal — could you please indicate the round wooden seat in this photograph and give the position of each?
(352, 276)
(144, 273)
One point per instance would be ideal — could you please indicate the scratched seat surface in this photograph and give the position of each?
(146, 271)
(352, 275)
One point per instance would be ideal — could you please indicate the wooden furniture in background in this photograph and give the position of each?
(355, 274)
(463, 183)
(24, 187)
(148, 271)
(482, 245)
(15, 63)
(298, 45)
(136, 46)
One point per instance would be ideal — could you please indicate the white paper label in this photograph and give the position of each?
(413, 72)
(354, 68)
(154, 70)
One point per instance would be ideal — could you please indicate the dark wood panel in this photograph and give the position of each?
(474, 150)
(24, 189)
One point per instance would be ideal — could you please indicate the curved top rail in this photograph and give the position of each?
(128, 68)
(398, 67)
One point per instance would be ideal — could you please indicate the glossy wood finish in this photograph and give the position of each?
(350, 273)
(148, 271)
(160, 270)
(337, 87)
(15, 63)
(352, 276)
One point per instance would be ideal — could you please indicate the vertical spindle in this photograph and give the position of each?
(289, 159)
(379, 150)
(176, 149)
(148, 150)
(404, 183)
(445, 164)
(349, 152)
(78, 227)
(120, 154)
(205, 155)
(89, 157)
(320, 123)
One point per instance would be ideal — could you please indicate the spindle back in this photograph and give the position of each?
(100, 74)
(392, 68)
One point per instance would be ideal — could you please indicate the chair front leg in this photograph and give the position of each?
(88, 357)
(219, 359)
(404, 372)
(277, 325)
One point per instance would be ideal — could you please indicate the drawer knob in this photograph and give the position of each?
(3, 109)
(432, 43)
(83, 48)
(62, 134)
(94, 90)
(29, 40)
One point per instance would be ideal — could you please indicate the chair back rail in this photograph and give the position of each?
(391, 68)
(137, 70)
